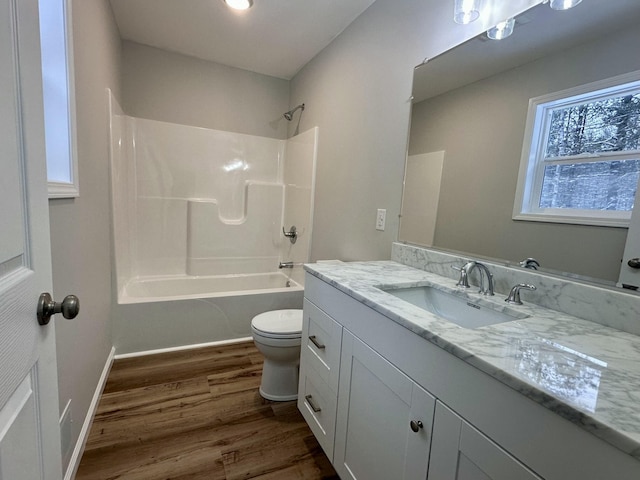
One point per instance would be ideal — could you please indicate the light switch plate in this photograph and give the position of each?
(381, 219)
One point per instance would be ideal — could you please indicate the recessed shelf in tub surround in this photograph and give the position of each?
(586, 372)
(253, 241)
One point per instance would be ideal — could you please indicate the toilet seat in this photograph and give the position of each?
(278, 324)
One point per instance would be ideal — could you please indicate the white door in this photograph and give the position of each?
(29, 431)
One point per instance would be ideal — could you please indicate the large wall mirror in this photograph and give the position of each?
(468, 124)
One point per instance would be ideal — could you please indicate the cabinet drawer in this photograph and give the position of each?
(317, 403)
(321, 343)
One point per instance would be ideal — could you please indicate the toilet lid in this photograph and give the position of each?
(279, 323)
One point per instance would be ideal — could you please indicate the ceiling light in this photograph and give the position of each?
(239, 4)
(466, 11)
(563, 4)
(502, 29)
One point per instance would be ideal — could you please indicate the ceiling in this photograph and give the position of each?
(538, 32)
(274, 37)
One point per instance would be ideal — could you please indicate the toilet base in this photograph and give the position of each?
(278, 398)
(279, 381)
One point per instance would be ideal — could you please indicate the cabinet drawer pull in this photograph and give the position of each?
(315, 408)
(316, 343)
(416, 426)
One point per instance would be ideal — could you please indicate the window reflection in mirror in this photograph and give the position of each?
(581, 154)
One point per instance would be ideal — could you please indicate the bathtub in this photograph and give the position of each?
(198, 219)
(165, 313)
(178, 287)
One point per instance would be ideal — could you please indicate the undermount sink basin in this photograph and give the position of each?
(454, 308)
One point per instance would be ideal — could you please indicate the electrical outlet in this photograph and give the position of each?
(381, 219)
(66, 434)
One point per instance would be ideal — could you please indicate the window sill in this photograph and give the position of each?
(63, 190)
(572, 219)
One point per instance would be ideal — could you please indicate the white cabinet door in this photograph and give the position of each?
(377, 407)
(29, 431)
(460, 452)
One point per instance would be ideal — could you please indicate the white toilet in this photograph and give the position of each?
(277, 335)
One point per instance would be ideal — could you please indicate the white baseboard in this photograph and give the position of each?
(74, 463)
(183, 347)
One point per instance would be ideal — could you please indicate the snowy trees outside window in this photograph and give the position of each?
(581, 158)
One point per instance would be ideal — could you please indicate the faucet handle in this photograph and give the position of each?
(514, 294)
(292, 234)
(463, 281)
(530, 263)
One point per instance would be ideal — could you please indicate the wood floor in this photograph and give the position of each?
(197, 414)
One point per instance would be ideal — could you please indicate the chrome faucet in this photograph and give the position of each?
(285, 265)
(530, 263)
(463, 281)
(484, 270)
(292, 234)
(466, 270)
(514, 294)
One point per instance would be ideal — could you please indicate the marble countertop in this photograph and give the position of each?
(583, 371)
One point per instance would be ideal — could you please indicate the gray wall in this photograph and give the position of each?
(80, 232)
(170, 87)
(481, 128)
(357, 90)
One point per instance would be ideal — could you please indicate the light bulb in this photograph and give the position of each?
(239, 4)
(563, 4)
(466, 11)
(502, 29)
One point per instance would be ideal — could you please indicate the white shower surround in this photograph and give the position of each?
(198, 216)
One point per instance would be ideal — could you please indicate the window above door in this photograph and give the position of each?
(57, 84)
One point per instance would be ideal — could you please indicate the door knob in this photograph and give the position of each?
(69, 307)
(416, 426)
(634, 263)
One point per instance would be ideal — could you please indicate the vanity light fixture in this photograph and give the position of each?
(239, 4)
(502, 29)
(466, 11)
(563, 4)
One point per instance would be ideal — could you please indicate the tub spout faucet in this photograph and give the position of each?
(285, 265)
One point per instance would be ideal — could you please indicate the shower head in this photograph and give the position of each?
(289, 115)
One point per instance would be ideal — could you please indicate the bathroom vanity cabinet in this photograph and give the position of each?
(375, 397)
(385, 403)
